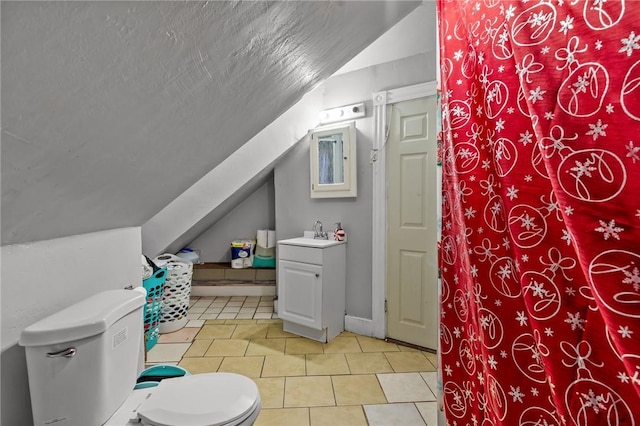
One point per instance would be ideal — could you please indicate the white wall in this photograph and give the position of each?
(43, 277)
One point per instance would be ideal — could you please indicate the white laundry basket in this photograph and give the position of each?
(176, 293)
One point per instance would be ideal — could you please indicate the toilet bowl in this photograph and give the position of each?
(83, 363)
(211, 399)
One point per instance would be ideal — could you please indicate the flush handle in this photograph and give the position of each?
(67, 353)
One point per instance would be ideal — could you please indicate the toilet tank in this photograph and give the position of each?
(83, 360)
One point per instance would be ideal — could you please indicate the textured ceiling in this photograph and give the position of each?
(112, 109)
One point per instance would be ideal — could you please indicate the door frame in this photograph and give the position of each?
(379, 214)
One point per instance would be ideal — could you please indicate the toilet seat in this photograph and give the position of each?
(211, 399)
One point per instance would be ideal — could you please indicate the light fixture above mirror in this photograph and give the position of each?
(343, 113)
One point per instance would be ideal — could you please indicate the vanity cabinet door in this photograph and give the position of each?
(300, 293)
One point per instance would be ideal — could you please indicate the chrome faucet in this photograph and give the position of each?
(318, 234)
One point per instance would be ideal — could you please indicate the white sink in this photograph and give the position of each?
(310, 242)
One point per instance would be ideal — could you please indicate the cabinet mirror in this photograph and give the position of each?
(333, 161)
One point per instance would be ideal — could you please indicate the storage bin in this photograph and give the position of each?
(152, 308)
(176, 293)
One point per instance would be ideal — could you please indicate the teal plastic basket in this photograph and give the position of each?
(153, 307)
(153, 375)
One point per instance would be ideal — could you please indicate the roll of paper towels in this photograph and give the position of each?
(271, 239)
(262, 237)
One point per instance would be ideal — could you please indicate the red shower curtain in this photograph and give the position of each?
(540, 249)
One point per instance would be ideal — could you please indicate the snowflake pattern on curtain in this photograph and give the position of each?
(540, 248)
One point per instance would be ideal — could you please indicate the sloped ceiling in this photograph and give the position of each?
(110, 110)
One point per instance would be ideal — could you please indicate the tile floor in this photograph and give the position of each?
(352, 380)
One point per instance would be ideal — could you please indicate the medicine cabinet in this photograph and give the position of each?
(333, 161)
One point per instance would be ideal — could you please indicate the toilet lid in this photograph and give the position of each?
(210, 399)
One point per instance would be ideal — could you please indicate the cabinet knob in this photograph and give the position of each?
(317, 275)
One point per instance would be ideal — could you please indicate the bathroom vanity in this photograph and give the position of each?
(311, 287)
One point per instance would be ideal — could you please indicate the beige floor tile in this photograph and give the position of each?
(263, 315)
(196, 310)
(342, 345)
(433, 358)
(201, 365)
(216, 331)
(251, 331)
(271, 391)
(240, 321)
(301, 345)
(358, 390)
(326, 364)
(266, 347)
(276, 331)
(407, 348)
(369, 344)
(228, 347)
(248, 366)
(283, 417)
(405, 362)
(164, 352)
(184, 335)
(352, 415)
(308, 391)
(198, 348)
(405, 387)
(269, 321)
(368, 363)
(227, 315)
(284, 365)
(214, 322)
(233, 309)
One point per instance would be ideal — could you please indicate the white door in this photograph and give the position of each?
(412, 277)
(300, 293)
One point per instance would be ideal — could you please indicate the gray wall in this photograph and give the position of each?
(257, 211)
(296, 211)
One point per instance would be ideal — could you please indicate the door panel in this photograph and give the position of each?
(412, 302)
(411, 309)
(300, 293)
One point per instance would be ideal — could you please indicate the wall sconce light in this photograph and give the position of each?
(348, 112)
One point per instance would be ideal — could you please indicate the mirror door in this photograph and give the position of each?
(333, 161)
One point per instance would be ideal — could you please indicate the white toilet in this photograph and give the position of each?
(83, 363)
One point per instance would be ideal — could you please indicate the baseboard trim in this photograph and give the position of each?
(358, 325)
(231, 290)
